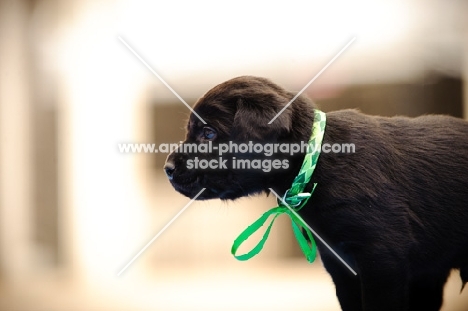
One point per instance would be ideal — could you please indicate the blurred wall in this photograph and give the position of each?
(15, 151)
(73, 210)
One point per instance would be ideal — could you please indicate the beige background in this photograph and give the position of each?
(74, 211)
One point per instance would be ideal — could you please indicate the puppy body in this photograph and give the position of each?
(396, 209)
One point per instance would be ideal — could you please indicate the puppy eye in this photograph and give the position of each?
(209, 133)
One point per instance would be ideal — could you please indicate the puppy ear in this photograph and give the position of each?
(251, 121)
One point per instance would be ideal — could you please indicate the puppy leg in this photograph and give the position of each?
(426, 292)
(384, 282)
(348, 286)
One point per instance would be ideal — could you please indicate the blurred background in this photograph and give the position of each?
(74, 211)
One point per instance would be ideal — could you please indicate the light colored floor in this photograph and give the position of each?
(290, 285)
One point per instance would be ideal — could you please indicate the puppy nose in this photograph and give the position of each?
(169, 168)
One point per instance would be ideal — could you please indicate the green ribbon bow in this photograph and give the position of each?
(295, 198)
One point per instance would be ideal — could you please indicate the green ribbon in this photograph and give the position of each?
(294, 199)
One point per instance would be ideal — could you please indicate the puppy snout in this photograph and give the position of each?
(169, 168)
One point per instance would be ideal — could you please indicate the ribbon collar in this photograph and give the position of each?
(295, 198)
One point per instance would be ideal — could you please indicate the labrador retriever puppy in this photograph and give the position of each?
(395, 209)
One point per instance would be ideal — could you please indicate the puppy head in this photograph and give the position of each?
(242, 108)
(237, 112)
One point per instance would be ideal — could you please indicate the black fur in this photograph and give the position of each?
(396, 210)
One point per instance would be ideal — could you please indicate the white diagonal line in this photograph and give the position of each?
(313, 79)
(315, 233)
(160, 232)
(161, 79)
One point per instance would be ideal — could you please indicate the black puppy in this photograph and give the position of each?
(396, 209)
